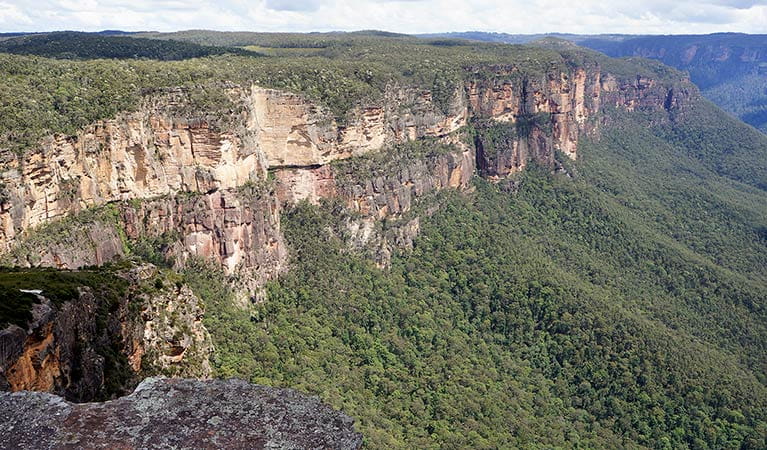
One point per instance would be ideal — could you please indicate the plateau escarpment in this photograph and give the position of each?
(139, 155)
(200, 185)
(267, 214)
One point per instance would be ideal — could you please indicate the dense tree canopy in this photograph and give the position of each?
(623, 307)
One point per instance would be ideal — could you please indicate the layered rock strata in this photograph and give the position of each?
(159, 156)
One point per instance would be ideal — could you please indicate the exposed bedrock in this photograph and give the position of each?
(177, 413)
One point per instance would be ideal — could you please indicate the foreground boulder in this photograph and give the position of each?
(177, 413)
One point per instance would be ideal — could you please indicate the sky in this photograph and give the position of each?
(404, 16)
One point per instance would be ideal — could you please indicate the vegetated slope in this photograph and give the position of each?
(623, 307)
(78, 45)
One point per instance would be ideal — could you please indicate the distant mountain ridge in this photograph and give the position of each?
(15, 34)
(108, 44)
(508, 38)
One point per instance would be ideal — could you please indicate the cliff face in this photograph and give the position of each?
(375, 193)
(519, 119)
(176, 413)
(514, 118)
(729, 68)
(94, 346)
(155, 154)
(162, 154)
(138, 155)
(384, 188)
(293, 132)
(566, 100)
(238, 229)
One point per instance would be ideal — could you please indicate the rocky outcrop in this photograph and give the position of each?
(238, 229)
(643, 93)
(30, 361)
(548, 113)
(95, 345)
(542, 113)
(168, 337)
(394, 193)
(62, 350)
(176, 413)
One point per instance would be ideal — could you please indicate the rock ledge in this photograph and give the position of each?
(177, 413)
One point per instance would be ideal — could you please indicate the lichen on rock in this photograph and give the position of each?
(177, 413)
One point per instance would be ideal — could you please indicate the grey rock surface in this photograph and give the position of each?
(179, 414)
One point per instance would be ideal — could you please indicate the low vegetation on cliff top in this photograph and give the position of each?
(40, 96)
(78, 45)
(57, 286)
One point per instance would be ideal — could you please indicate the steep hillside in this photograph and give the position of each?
(458, 244)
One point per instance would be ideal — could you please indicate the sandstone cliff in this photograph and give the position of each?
(175, 413)
(140, 155)
(177, 176)
(238, 229)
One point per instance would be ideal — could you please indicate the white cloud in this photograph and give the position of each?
(292, 5)
(407, 16)
(11, 15)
